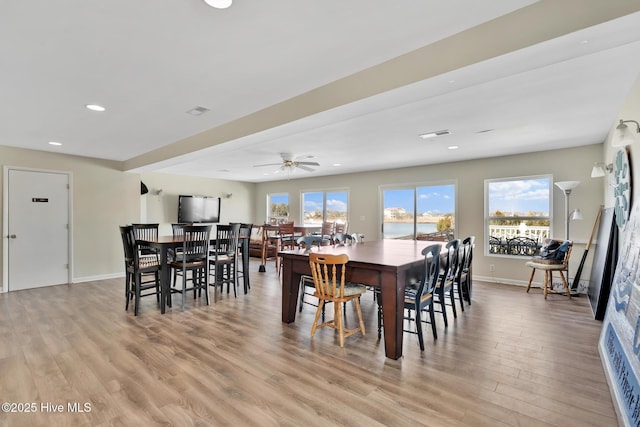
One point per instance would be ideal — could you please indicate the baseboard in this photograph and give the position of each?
(94, 278)
(583, 286)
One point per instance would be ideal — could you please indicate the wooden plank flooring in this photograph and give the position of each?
(511, 359)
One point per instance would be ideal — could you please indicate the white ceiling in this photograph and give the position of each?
(347, 82)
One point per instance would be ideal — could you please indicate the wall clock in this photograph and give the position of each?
(622, 188)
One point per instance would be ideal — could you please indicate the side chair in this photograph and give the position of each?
(194, 260)
(142, 273)
(329, 278)
(417, 300)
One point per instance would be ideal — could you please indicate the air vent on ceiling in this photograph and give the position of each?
(434, 134)
(197, 111)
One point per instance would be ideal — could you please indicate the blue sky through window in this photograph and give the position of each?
(519, 196)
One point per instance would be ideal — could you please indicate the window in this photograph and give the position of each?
(321, 206)
(277, 207)
(517, 212)
(425, 212)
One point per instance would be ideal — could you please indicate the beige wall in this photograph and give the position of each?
(163, 207)
(364, 189)
(630, 110)
(103, 198)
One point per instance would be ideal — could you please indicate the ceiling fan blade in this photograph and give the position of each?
(305, 168)
(267, 164)
(309, 163)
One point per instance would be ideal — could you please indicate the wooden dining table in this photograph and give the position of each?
(385, 264)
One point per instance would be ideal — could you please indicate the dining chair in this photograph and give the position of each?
(327, 231)
(142, 272)
(448, 274)
(146, 232)
(307, 287)
(224, 257)
(193, 260)
(464, 275)
(420, 299)
(328, 273)
(549, 266)
(242, 270)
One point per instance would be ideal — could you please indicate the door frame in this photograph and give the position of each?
(5, 221)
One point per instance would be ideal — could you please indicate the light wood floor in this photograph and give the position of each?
(511, 359)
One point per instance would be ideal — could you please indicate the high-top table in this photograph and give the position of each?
(385, 264)
(164, 243)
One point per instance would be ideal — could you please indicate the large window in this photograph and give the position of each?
(277, 207)
(321, 206)
(517, 214)
(423, 212)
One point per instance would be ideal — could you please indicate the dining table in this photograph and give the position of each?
(387, 264)
(164, 243)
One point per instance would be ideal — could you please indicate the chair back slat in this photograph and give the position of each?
(227, 239)
(328, 273)
(430, 271)
(195, 243)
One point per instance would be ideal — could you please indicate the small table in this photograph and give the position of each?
(385, 264)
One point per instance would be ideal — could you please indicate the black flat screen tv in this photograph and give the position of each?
(194, 209)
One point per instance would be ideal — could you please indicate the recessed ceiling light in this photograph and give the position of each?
(219, 4)
(198, 111)
(95, 107)
(337, 164)
(434, 134)
(453, 147)
(55, 143)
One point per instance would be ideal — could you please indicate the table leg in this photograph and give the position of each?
(245, 265)
(290, 289)
(392, 294)
(165, 278)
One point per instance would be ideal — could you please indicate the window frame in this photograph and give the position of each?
(414, 186)
(487, 218)
(269, 204)
(324, 202)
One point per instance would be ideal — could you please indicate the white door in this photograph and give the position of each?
(38, 229)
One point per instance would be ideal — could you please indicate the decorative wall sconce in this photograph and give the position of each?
(227, 195)
(623, 135)
(599, 169)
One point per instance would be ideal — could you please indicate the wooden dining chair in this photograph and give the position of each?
(328, 273)
(549, 267)
(463, 282)
(446, 282)
(193, 260)
(420, 299)
(146, 232)
(142, 272)
(224, 258)
(307, 287)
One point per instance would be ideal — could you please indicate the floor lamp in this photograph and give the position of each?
(566, 187)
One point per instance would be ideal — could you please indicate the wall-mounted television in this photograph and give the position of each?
(198, 209)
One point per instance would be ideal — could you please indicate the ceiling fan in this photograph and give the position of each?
(290, 164)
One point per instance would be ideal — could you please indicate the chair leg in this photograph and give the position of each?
(443, 306)
(315, 322)
(136, 303)
(302, 286)
(356, 301)
(127, 290)
(419, 329)
(337, 311)
(461, 294)
(546, 283)
(533, 271)
(432, 316)
(566, 285)
(453, 302)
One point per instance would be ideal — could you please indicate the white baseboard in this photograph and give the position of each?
(94, 278)
(583, 286)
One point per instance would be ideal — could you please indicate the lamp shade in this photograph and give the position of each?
(567, 185)
(576, 215)
(219, 4)
(623, 135)
(597, 171)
